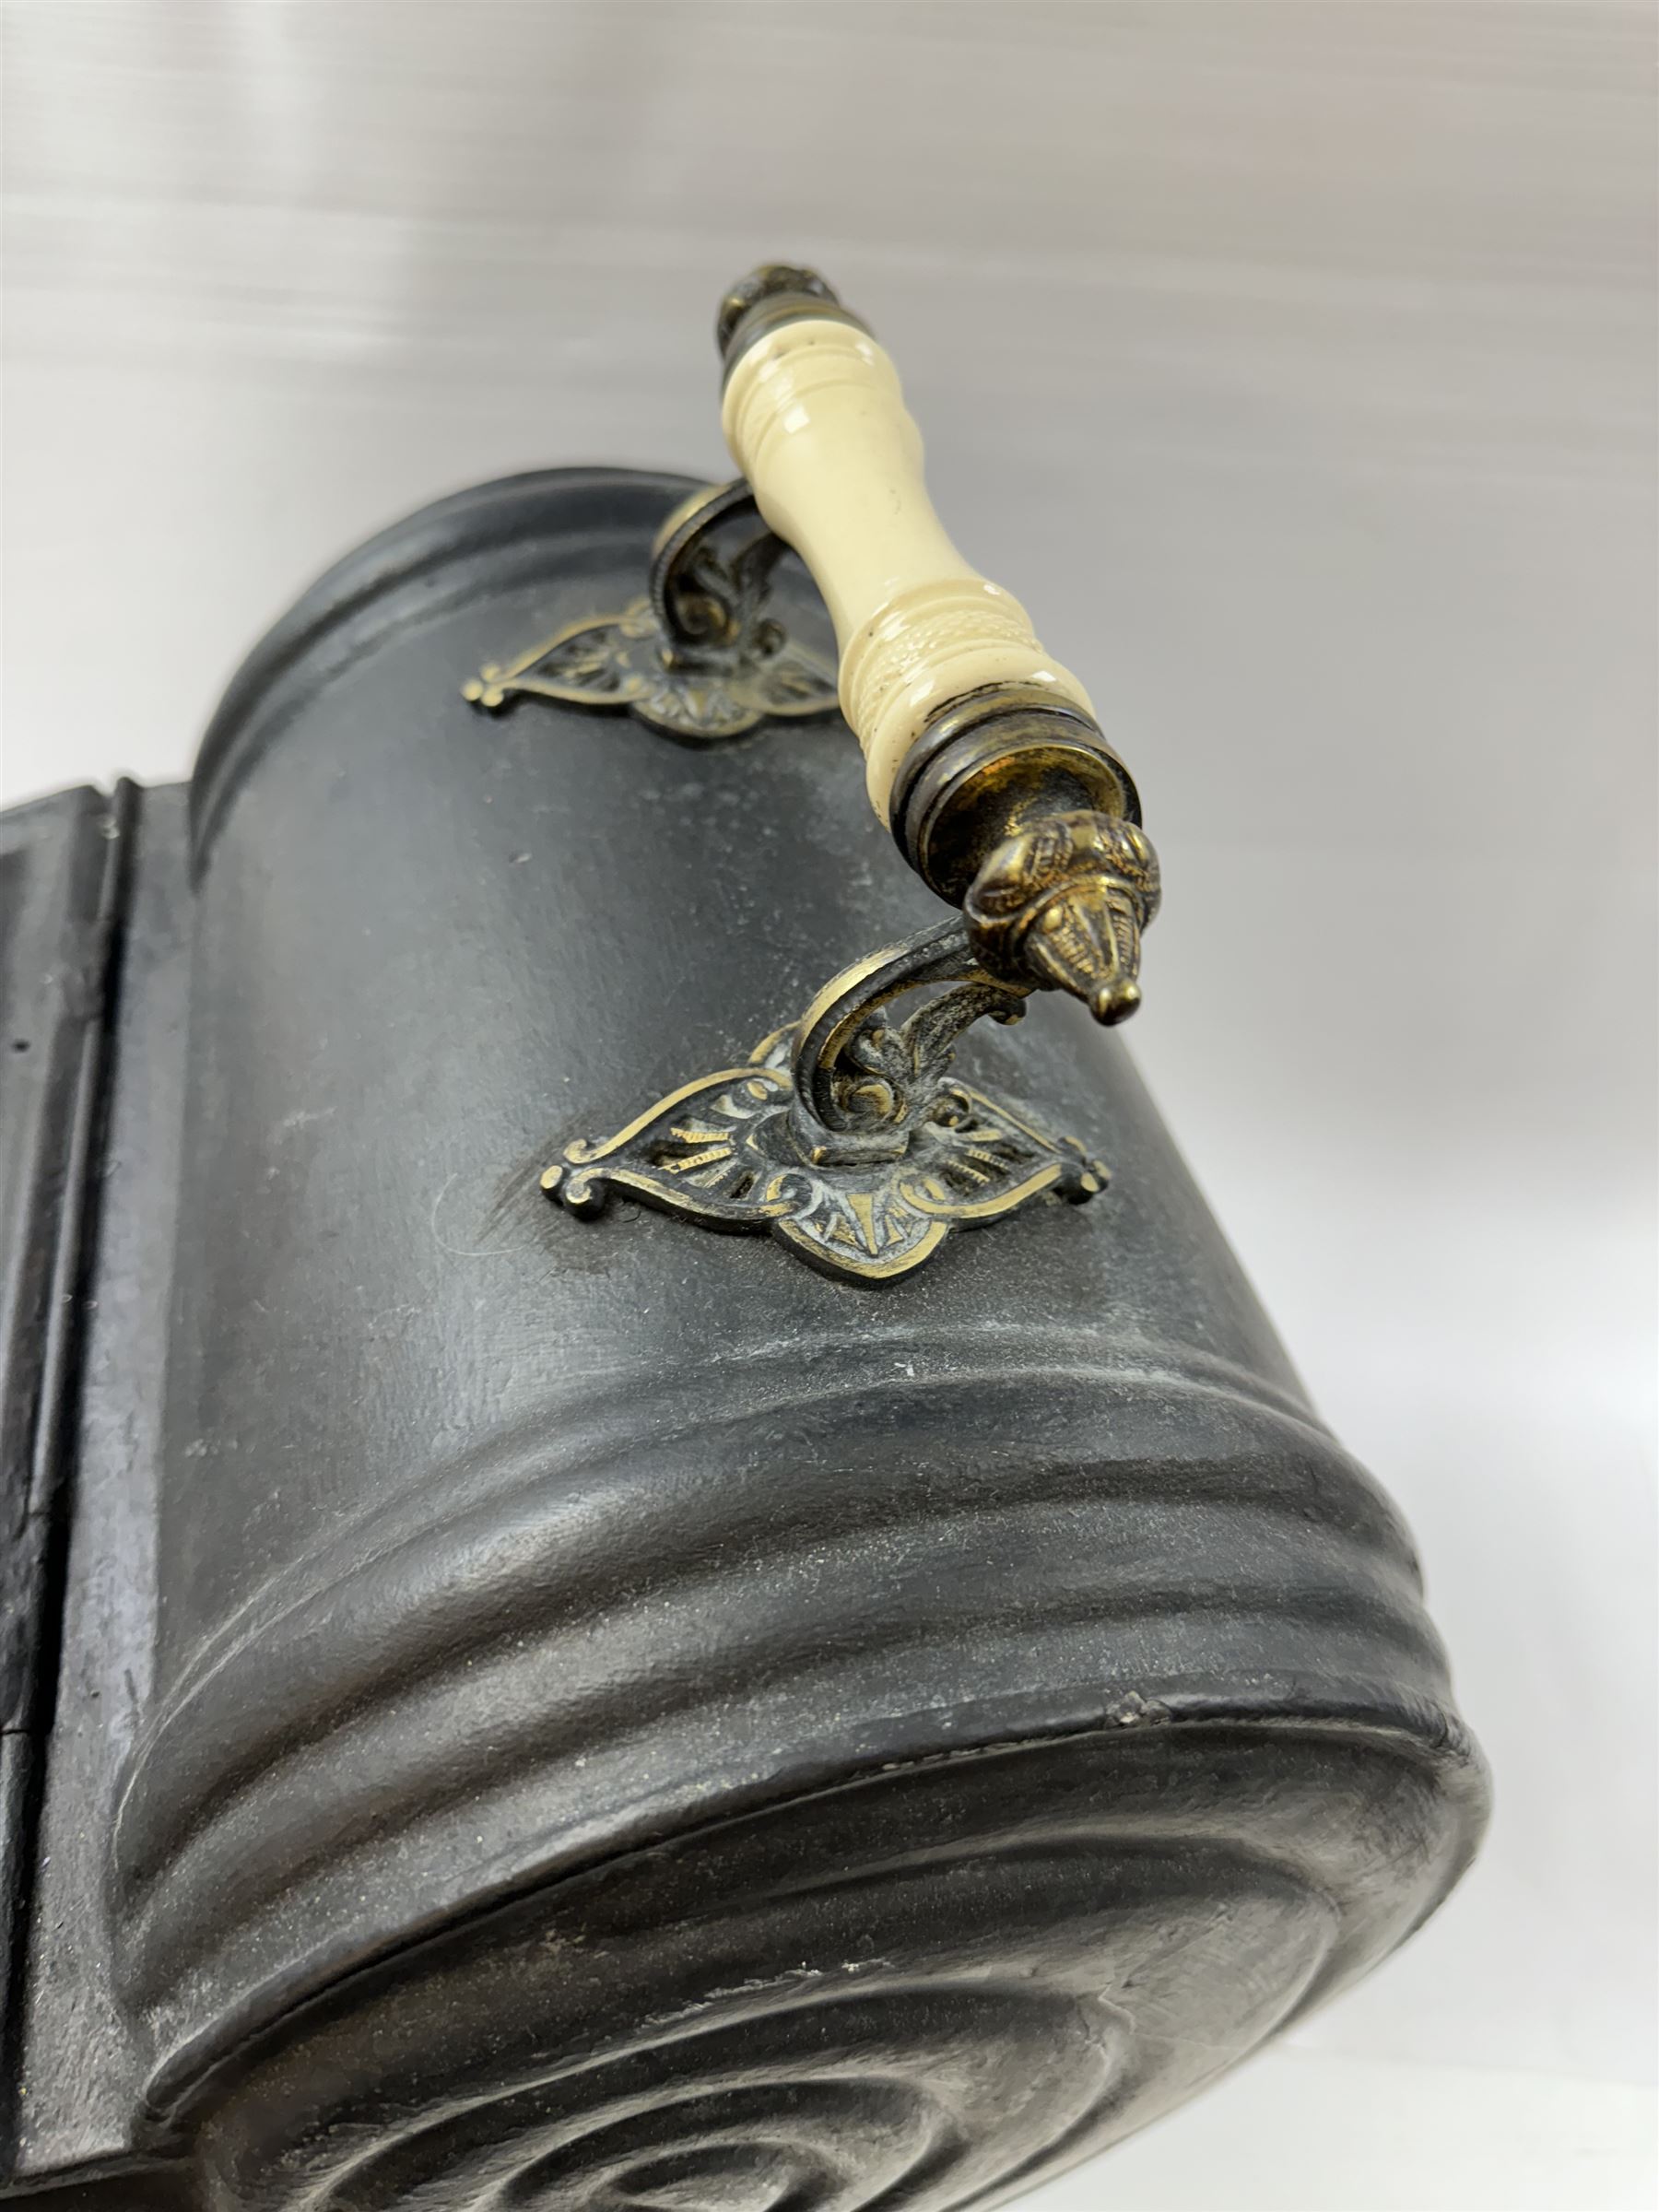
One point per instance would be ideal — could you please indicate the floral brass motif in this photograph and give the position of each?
(699, 657)
(844, 1136)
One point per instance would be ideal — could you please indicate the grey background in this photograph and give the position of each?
(1294, 364)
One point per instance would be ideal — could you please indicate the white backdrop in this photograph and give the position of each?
(1294, 363)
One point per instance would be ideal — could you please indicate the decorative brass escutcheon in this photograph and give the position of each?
(699, 657)
(846, 1136)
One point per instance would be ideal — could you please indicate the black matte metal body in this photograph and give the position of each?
(578, 1715)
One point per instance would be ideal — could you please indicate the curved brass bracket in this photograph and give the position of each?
(845, 1134)
(699, 657)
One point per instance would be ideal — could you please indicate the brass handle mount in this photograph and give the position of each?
(981, 752)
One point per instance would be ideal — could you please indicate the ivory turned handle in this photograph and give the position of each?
(816, 420)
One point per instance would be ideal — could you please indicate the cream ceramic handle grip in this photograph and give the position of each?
(816, 420)
(982, 753)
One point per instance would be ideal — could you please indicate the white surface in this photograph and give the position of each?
(1353, 307)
